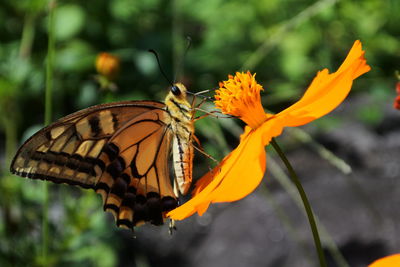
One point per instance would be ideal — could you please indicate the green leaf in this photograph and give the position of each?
(76, 56)
(69, 21)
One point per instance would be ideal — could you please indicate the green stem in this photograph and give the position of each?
(47, 120)
(177, 42)
(49, 65)
(306, 203)
(28, 34)
(284, 180)
(10, 131)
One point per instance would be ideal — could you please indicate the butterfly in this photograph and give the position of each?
(122, 151)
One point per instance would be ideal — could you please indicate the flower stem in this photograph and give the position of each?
(47, 120)
(28, 34)
(306, 203)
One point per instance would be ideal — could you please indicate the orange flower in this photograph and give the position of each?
(240, 172)
(107, 65)
(389, 261)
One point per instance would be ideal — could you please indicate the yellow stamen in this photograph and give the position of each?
(240, 96)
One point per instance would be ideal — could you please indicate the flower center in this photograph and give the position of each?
(240, 96)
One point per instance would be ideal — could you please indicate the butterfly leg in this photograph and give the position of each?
(171, 226)
(205, 154)
(199, 94)
(201, 150)
(205, 98)
(211, 113)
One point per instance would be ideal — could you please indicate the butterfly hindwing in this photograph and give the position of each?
(135, 184)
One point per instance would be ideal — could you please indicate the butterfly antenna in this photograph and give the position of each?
(159, 66)
(180, 66)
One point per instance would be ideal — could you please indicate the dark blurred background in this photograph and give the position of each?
(348, 161)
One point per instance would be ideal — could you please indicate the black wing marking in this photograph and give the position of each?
(135, 185)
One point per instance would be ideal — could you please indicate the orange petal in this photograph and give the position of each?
(389, 261)
(236, 176)
(243, 173)
(208, 177)
(327, 91)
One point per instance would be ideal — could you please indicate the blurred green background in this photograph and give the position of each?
(284, 41)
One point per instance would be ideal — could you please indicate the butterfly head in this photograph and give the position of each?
(178, 91)
(177, 96)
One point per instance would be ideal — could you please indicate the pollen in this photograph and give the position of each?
(240, 96)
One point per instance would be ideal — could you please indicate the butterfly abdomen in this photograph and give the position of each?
(182, 152)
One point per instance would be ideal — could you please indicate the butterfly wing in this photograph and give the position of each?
(135, 184)
(86, 147)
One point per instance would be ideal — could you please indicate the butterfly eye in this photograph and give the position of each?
(175, 90)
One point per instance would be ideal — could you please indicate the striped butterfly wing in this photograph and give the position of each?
(119, 149)
(135, 184)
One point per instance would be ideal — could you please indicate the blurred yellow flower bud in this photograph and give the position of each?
(107, 65)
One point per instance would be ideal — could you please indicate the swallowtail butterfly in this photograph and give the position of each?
(121, 150)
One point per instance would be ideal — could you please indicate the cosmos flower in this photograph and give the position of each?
(241, 171)
(389, 261)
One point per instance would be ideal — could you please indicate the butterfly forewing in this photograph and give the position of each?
(119, 149)
(70, 146)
